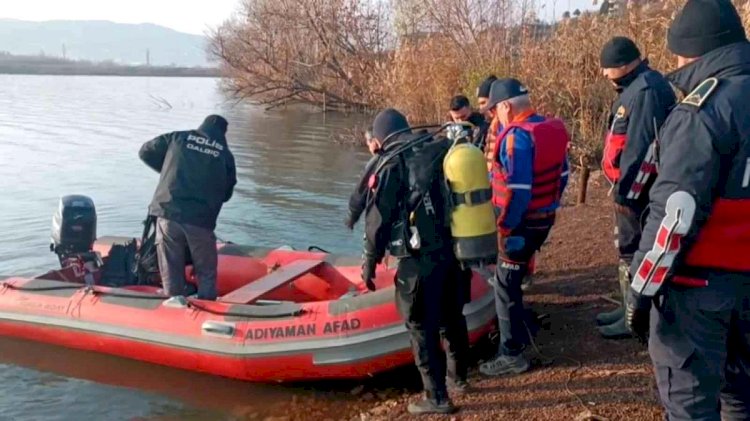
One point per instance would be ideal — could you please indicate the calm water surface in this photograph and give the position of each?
(81, 135)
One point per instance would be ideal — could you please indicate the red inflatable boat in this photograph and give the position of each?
(282, 315)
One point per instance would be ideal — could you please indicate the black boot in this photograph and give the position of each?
(432, 403)
(457, 386)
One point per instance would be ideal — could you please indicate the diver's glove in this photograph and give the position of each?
(513, 244)
(349, 221)
(368, 272)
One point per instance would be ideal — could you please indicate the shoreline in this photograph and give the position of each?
(128, 72)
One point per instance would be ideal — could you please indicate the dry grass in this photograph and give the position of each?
(437, 49)
(560, 65)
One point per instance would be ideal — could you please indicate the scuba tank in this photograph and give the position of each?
(468, 196)
(472, 215)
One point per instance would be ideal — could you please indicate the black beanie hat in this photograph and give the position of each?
(618, 52)
(704, 25)
(483, 91)
(215, 125)
(388, 122)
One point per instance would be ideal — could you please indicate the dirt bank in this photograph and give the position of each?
(579, 375)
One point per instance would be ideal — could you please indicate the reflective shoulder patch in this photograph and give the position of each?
(678, 94)
(701, 93)
(657, 263)
(621, 113)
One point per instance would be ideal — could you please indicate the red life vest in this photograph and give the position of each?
(724, 241)
(613, 145)
(490, 147)
(550, 141)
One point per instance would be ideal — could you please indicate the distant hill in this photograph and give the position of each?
(103, 41)
(37, 65)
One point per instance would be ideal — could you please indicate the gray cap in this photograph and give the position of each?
(503, 90)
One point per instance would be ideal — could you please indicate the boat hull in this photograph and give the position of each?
(354, 336)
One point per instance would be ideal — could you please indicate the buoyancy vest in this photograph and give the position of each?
(490, 148)
(550, 142)
(724, 241)
(614, 144)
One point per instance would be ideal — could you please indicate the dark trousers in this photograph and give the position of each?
(430, 297)
(172, 240)
(700, 347)
(627, 234)
(454, 332)
(512, 266)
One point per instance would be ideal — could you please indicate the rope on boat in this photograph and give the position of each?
(120, 295)
(191, 303)
(312, 248)
(294, 313)
(55, 288)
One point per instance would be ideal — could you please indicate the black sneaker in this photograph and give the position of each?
(431, 406)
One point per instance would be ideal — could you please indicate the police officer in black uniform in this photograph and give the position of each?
(643, 103)
(406, 215)
(693, 267)
(197, 176)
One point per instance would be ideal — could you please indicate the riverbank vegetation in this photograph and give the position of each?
(415, 54)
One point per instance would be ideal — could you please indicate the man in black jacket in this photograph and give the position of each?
(460, 111)
(629, 162)
(407, 217)
(692, 269)
(483, 95)
(198, 176)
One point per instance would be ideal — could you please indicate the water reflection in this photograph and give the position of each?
(64, 135)
(81, 135)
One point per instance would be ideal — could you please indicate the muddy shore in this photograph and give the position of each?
(576, 374)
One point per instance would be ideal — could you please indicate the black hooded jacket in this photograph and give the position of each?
(408, 187)
(643, 104)
(481, 127)
(358, 198)
(704, 150)
(197, 170)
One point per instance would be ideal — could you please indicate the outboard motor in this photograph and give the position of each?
(73, 228)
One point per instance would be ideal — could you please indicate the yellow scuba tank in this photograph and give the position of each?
(472, 215)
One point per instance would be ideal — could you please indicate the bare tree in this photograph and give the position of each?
(322, 52)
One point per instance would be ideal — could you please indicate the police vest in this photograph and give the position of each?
(550, 142)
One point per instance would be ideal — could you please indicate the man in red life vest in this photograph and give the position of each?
(629, 161)
(529, 174)
(488, 147)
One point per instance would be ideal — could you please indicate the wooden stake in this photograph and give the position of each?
(583, 182)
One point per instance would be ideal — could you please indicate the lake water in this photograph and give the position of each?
(81, 135)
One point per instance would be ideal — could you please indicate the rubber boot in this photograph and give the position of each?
(610, 317)
(437, 403)
(618, 329)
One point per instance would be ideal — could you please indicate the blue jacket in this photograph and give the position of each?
(519, 165)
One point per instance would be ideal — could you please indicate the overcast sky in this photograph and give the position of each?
(193, 16)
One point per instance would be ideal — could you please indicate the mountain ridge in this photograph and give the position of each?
(103, 40)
